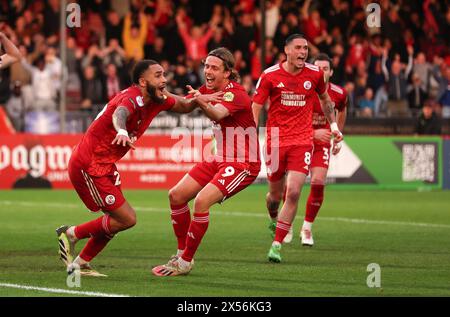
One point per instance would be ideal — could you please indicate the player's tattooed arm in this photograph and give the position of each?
(327, 107)
(119, 119)
(328, 110)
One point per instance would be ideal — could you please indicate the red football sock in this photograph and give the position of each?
(314, 203)
(197, 230)
(99, 226)
(281, 231)
(94, 245)
(181, 219)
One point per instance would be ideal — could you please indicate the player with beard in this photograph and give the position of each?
(92, 168)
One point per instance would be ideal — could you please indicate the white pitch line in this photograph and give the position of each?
(59, 291)
(251, 214)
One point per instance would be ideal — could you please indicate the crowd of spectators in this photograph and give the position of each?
(392, 70)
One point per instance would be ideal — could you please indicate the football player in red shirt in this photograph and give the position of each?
(92, 168)
(234, 167)
(321, 153)
(291, 86)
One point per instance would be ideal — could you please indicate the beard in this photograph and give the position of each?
(152, 92)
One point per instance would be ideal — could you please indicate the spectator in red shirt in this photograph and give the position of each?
(315, 28)
(195, 41)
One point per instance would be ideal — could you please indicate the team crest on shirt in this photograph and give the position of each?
(228, 96)
(140, 101)
(307, 85)
(110, 199)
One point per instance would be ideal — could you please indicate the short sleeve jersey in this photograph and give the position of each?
(235, 134)
(291, 103)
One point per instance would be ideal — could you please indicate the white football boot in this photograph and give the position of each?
(306, 238)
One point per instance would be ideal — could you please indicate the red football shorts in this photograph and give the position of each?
(97, 193)
(229, 177)
(321, 155)
(288, 158)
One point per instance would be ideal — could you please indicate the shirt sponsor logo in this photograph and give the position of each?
(291, 99)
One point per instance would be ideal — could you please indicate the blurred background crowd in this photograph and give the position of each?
(397, 70)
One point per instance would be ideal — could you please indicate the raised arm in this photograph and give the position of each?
(12, 53)
(383, 65)
(409, 67)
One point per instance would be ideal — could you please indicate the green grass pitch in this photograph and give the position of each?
(406, 232)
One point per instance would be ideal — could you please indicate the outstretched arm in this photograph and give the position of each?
(182, 104)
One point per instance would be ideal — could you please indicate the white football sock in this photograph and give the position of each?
(307, 225)
(71, 234)
(79, 261)
(183, 263)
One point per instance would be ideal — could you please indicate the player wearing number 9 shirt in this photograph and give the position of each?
(290, 85)
(234, 167)
(92, 168)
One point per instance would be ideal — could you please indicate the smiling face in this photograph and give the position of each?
(297, 52)
(215, 73)
(154, 82)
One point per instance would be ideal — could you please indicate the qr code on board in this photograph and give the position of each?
(418, 162)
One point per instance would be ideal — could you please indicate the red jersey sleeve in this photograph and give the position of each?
(343, 103)
(130, 102)
(234, 100)
(321, 87)
(263, 88)
(168, 103)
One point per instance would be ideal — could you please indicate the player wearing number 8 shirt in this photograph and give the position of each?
(92, 168)
(234, 167)
(290, 85)
(322, 147)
